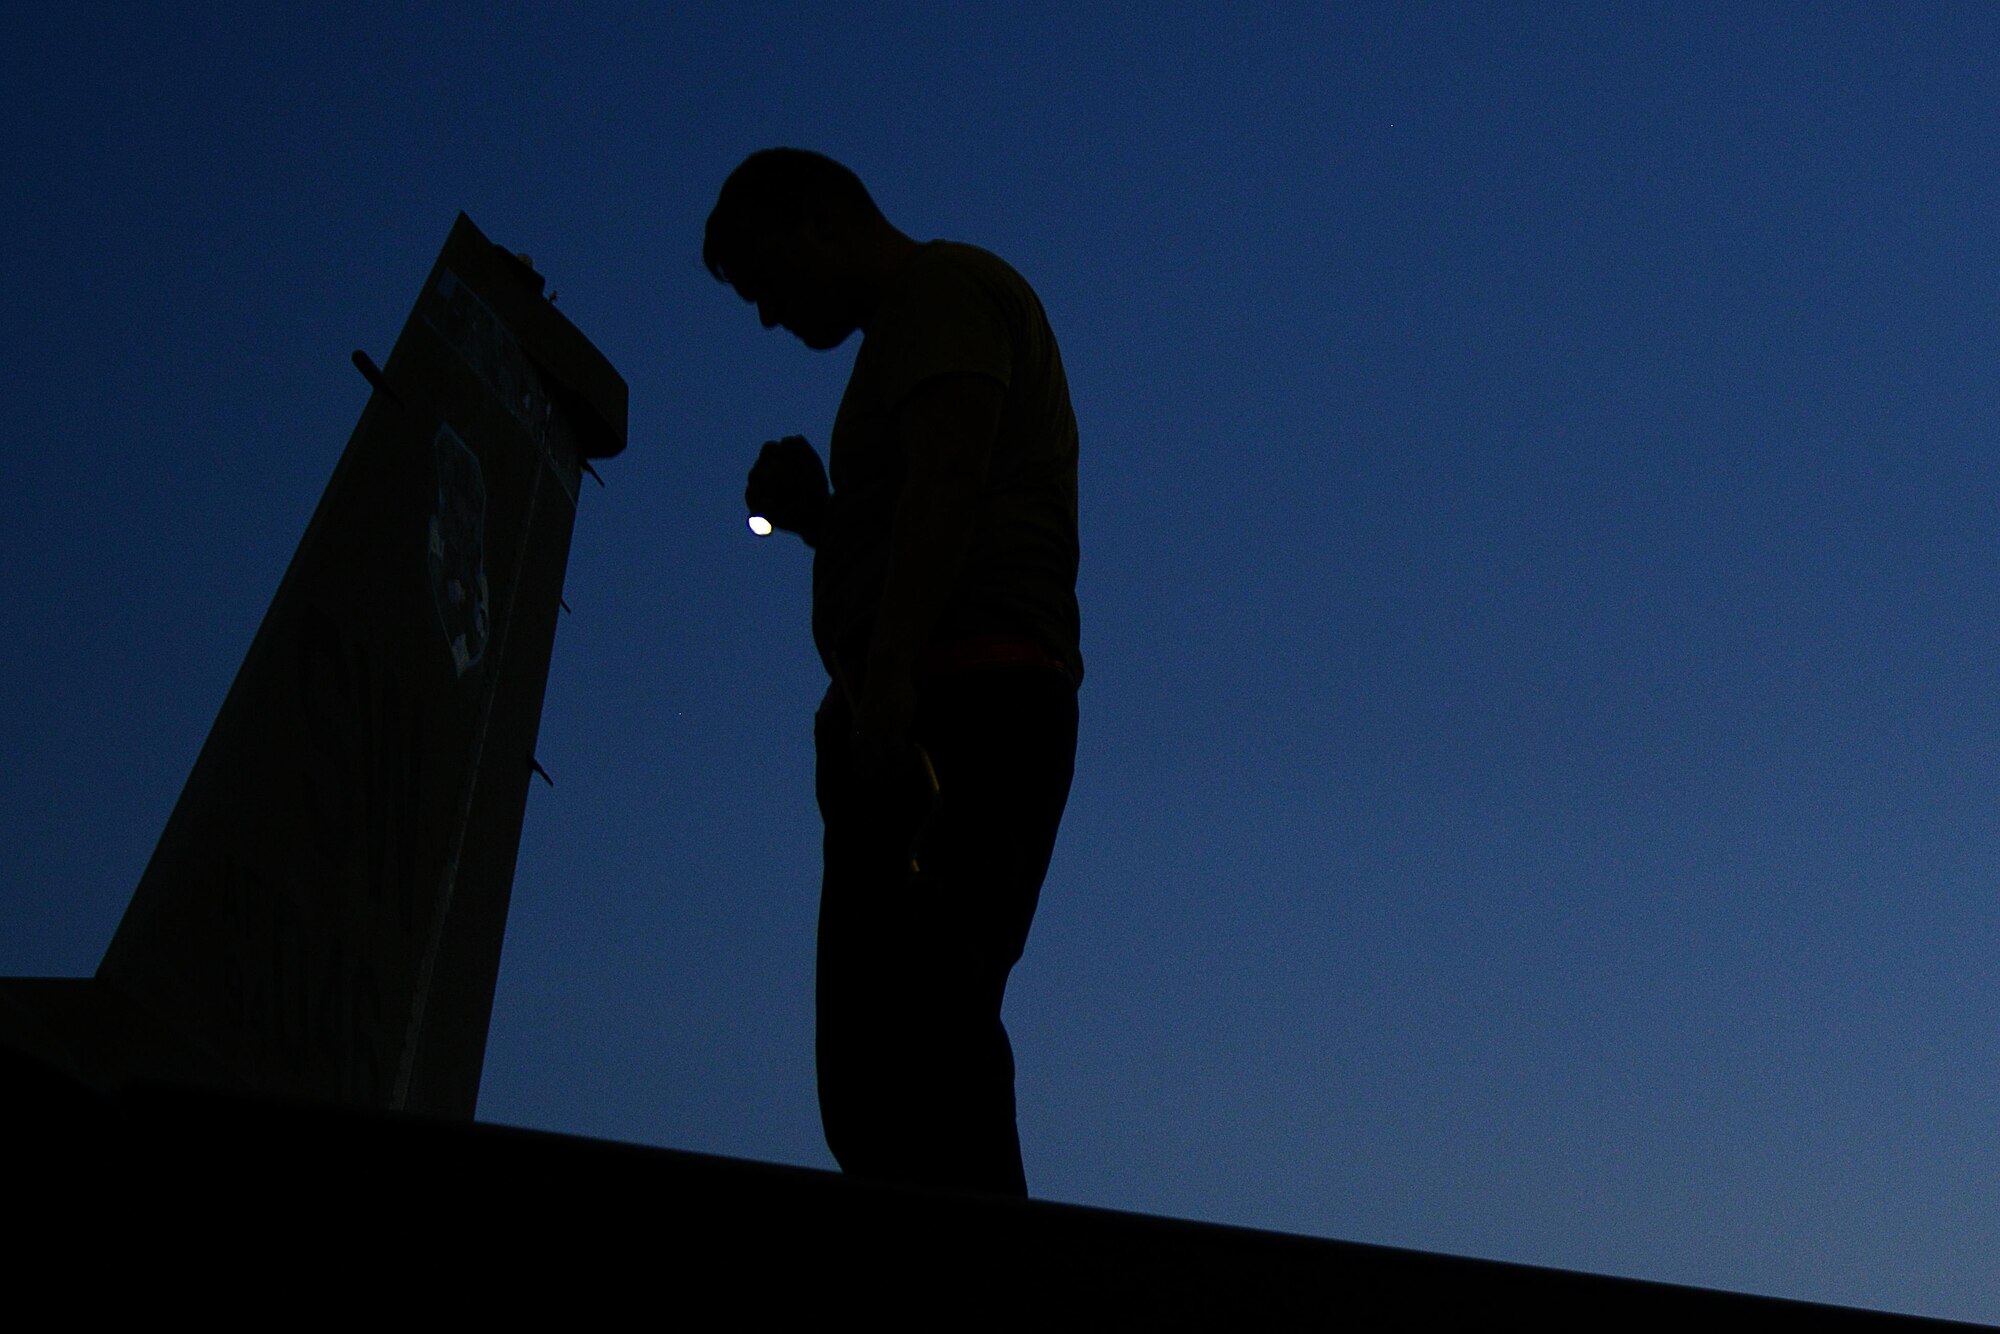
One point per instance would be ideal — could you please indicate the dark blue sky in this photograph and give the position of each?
(1540, 782)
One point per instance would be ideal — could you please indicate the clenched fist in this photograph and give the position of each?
(788, 487)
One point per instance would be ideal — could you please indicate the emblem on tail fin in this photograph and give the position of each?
(457, 555)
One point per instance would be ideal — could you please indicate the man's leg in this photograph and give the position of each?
(916, 1073)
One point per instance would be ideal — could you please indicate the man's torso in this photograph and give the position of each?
(955, 310)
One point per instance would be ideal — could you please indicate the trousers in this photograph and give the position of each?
(916, 1074)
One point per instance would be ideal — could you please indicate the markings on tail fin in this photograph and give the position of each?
(457, 555)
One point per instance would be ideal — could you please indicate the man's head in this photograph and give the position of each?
(796, 233)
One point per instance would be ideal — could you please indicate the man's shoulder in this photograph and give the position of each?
(955, 263)
(964, 255)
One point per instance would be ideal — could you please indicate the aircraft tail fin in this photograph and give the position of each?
(323, 915)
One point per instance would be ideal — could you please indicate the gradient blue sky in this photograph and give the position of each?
(1540, 782)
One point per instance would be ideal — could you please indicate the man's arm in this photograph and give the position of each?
(945, 430)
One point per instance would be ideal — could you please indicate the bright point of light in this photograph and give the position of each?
(760, 525)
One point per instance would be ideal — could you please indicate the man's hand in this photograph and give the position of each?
(788, 487)
(897, 788)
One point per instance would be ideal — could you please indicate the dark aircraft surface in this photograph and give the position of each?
(259, 1108)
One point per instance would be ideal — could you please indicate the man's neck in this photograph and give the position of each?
(885, 254)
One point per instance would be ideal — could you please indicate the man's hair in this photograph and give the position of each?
(776, 188)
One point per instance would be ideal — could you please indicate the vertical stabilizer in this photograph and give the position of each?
(323, 915)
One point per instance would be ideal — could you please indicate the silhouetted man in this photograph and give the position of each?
(944, 607)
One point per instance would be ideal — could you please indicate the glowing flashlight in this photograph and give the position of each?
(760, 525)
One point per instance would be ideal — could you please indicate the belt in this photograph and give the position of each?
(985, 650)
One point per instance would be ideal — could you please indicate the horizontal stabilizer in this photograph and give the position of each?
(298, 1198)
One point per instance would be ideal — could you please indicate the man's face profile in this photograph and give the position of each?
(792, 279)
